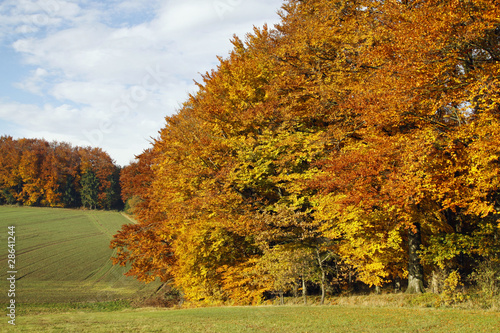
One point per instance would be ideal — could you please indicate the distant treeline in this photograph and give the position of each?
(34, 172)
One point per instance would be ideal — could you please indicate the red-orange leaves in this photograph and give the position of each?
(144, 248)
(348, 128)
(35, 172)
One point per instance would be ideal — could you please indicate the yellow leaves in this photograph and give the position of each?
(337, 221)
(283, 266)
(244, 284)
(371, 242)
(202, 249)
(351, 123)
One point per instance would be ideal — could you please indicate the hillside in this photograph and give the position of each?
(63, 255)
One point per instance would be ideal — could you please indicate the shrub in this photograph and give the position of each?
(451, 294)
(487, 277)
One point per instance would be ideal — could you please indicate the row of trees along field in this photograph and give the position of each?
(34, 172)
(355, 141)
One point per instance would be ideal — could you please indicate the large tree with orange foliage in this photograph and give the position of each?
(361, 130)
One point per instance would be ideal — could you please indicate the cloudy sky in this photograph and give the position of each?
(106, 73)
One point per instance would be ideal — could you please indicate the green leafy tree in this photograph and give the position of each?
(113, 192)
(90, 189)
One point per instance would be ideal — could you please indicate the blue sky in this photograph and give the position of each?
(106, 73)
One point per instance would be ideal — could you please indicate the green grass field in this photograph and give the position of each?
(66, 283)
(63, 255)
(276, 319)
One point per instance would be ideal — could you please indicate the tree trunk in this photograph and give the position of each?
(304, 290)
(282, 298)
(397, 285)
(323, 275)
(295, 290)
(322, 288)
(415, 269)
(434, 282)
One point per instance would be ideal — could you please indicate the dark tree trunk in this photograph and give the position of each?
(415, 269)
(397, 285)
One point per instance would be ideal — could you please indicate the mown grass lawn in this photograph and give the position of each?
(288, 319)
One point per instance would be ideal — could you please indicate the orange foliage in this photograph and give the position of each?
(36, 172)
(353, 124)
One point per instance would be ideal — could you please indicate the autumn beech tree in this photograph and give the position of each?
(135, 180)
(204, 212)
(356, 132)
(322, 54)
(236, 159)
(412, 104)
(437, 61)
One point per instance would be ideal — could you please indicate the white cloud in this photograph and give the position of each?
(34, 83)
(86, 92)
(26, 17)
(184, 16)
(113, 70)
(62, 118)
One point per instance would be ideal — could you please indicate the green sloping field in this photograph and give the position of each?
(63, 255)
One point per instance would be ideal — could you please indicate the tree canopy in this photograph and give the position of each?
(361, 135)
